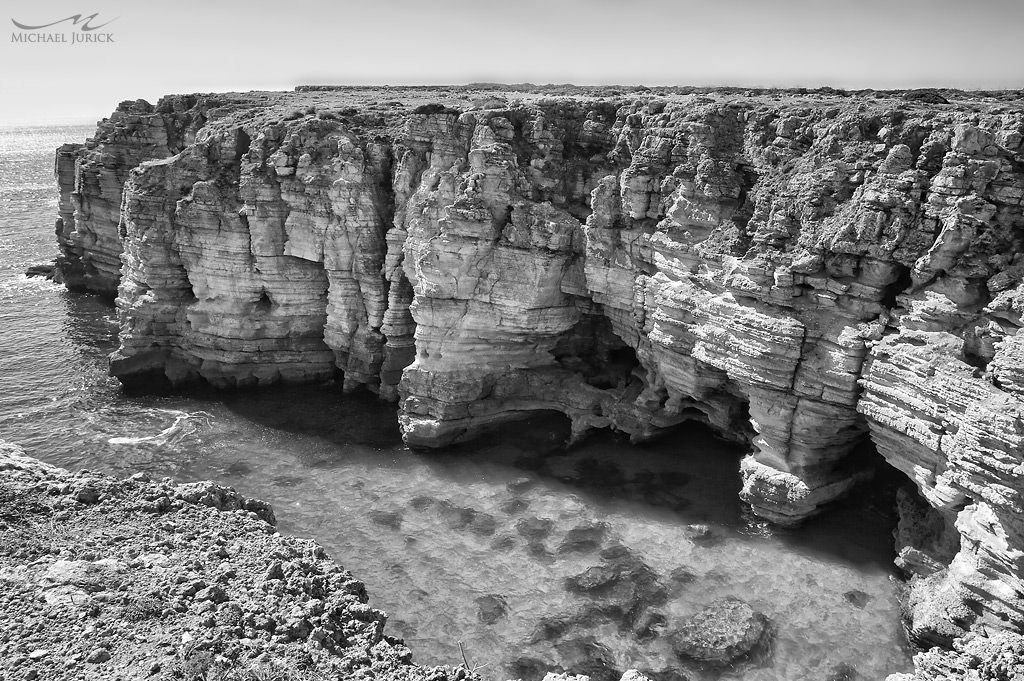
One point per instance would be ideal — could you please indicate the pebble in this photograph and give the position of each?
(213, 593)
(87, 495)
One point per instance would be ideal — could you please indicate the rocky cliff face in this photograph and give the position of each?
(91, 179)
(812, 275)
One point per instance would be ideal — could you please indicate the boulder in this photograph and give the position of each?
(724, 631)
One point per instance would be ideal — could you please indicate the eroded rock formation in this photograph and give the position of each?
(805, 274)
(91, 178)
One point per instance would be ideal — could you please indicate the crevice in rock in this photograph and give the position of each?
(903, 282)
(869, 127)
(973, 359)
(264, 305)
(725, 410)
(925, 538)
(745, 205)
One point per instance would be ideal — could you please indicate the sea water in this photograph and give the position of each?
(476, 551)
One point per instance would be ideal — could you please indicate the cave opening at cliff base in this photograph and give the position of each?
(593, 351)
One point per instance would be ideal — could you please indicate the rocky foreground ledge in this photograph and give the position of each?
(141, 579)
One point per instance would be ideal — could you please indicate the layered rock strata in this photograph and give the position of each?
(241, 269)
(806, 273)
(91, 179)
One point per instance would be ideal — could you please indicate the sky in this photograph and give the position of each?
(219, 45)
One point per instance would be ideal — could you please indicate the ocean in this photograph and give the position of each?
(482, 545)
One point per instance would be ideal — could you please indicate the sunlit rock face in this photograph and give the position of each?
(249, 261)
(941, 389)
(494, 250)
(91, 179)
(702, 233)
(805, 275)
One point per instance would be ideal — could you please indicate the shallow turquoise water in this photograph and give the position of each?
(474, 544)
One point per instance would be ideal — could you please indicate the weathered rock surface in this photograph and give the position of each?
(133, 579)
(724, 631)
(802, 272)
(91, 179)
(974, 658)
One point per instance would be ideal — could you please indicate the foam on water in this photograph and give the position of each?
(24, 284)
(184, 425)
(447, 540)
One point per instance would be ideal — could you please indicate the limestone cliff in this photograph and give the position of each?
(91, 178)
(807, 273)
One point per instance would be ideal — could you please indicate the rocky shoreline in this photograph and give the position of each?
(144, 579)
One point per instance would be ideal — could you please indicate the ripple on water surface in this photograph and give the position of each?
(531, 556)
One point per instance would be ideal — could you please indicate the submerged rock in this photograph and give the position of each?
(526, 667)
(514, 506)
(649, 625)
(535, 529)
(586, 655)
(680, 578)
(465, 518)
(554, 627)
(724, 631)
(389, 519)
(491, 608)
(597, 474)
(422, 503)
(503, 543)
(595, 580)
(843, 672)
(583, 538)
(457, 517)
(856, 598)
(623, 589)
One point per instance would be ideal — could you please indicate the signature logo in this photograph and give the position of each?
(55, 31)
(75, 19)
